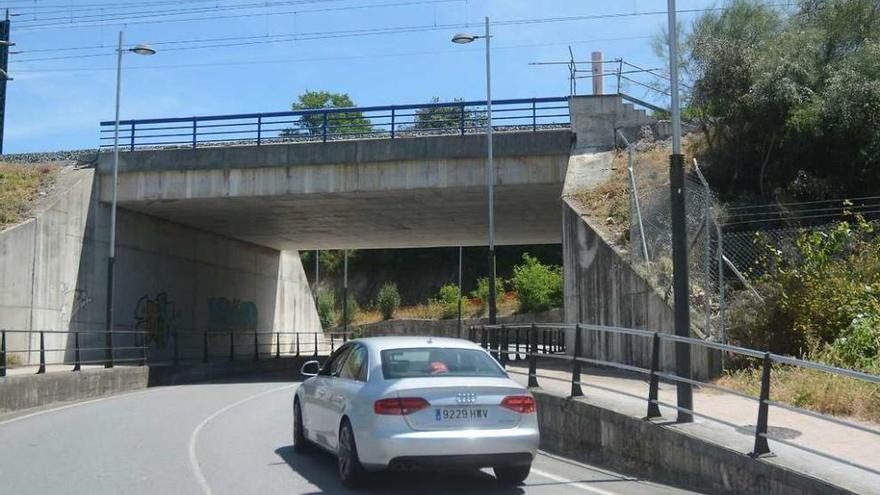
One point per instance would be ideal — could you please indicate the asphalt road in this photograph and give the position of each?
(225, 438)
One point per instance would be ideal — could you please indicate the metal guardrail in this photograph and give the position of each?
(506, 340)
(183, 347)
(329, 124)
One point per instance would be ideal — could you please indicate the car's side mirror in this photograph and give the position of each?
(310, 368)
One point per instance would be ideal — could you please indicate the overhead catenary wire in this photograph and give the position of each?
(363, 32)
(68, 25)
(318, 59)
(146, 14)
(305, 36)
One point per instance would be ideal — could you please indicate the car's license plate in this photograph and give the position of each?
(461, 414)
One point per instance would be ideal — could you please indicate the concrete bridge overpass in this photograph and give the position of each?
(407, 183)
(414, 192)
(213, 211)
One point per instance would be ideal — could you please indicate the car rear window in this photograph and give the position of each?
(433, 361)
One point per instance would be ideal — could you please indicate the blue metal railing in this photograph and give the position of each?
(331, 124)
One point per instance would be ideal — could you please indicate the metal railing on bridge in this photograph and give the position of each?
(331, 124)
(133, 347)
(530, 342)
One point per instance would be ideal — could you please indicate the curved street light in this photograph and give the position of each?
(108, 339)
(143, 50)
(462, 39)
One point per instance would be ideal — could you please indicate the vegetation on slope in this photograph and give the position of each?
(19, 187)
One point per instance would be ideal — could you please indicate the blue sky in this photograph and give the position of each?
(57, 104)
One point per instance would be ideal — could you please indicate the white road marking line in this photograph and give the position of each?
(576, 484)
(193, 461)
(69, 406)
(596, 469)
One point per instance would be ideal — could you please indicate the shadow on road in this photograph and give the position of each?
(319, 469)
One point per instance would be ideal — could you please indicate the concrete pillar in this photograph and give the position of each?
(593, 120)
(598, 79)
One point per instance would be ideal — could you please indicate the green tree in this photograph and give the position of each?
(788, 102)
(447, 117)
(331, 260)
(337, 123)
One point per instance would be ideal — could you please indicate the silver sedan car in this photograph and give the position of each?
(416, 403)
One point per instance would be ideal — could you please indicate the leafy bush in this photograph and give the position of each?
(858, 347)
(388, 300)
(352, 310)
(448, 298)
(326, 308)
(482, 292)
(825, 300)
(538, 286)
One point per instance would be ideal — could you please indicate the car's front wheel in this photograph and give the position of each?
(300, 442)
(512, 475)
(351, 472)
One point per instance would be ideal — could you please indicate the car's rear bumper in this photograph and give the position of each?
(509, 446)
(460, 461)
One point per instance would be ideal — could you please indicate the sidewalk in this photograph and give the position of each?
(829, 438)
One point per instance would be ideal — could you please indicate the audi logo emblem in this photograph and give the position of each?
(466, 398)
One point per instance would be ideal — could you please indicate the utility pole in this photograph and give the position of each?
(317, 271)
(4, 75)
(460, 250)
(681, 290)
(490, 165)
(345, 291)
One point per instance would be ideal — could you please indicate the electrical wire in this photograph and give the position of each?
(198, 10)
(503, 23)
(323, 58)
(785, 205)
(367, 32)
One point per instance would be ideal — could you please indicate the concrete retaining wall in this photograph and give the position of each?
(39, 266)
(169, 277)
(661, 453)
(27, 391)
(603, 288)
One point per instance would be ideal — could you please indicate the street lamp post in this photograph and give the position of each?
(681, 291)
(463, 38)
(108, 343)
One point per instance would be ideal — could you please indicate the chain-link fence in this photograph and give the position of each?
(651, 235)
(724, 259)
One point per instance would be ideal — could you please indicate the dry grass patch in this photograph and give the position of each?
(609, 202)
(433, 310)
(19, 187)
(811, 389)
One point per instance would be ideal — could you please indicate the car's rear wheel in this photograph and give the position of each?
(351, 472)
(512, 475)
(300, 442)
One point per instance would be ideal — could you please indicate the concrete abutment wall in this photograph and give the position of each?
(169, 278)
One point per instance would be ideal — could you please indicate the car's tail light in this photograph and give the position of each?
(400, 406)
(523, 404)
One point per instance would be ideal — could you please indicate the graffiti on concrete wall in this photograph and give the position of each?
(81, 299)
(231, 315)
(155, 316)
